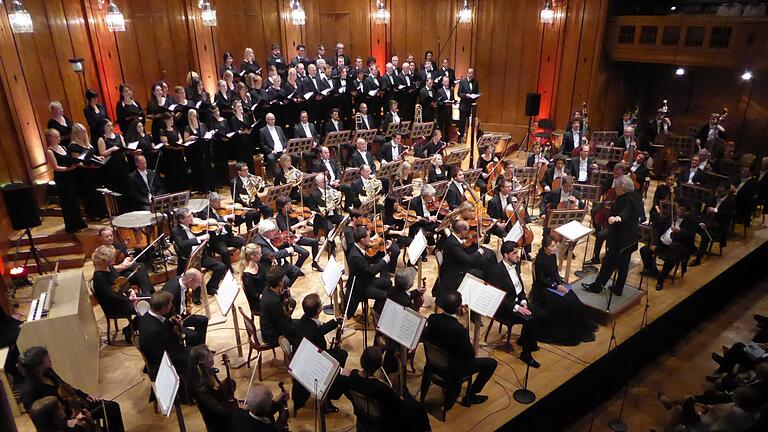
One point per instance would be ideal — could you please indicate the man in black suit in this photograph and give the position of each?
(280, 254)
(295, 226)
(556, 171)
(393, 150)
(746, 194)
(339, 53)
(195, 327)
(361, 156)
(428, 101)
(711, 132)
(329, 166)
(444, 97)
(391, 116)
(185, 241)
(639, 169)
(362, 273)
(156, 336)
(223, 238)
(258, 416)
(454, 196)
(427, 221)
(301, 56)
(626, 139)
(456, 261)
(514, 308)
(333, 124)
(718, 216)
(367, 121)
(622, 236)
(467, 86)
(581, 167)
(572, 138)
(241, 196)
(309, 327)
(446, 71)
(446, 332)
(145, 184)
(564, 194)
(388, 83)
(272, 141)
(674, 243)
(406, 84)
(305, 129)
(277, 60)
(327, 214)
(692, 175)
(498, 205)
(273, 319)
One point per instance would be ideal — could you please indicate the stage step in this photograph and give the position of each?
(46, 250)
(65, 262)
(57, 237)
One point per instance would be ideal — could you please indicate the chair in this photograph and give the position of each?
(254, 341)
(502, 322)
(111, 319)
(436, 372)
(285, 345)
(369, 412)
(135, 342)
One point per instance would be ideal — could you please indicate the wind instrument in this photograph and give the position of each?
(358, 121)
(418, 116)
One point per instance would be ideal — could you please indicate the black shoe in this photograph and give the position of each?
(330, 408)
(760, 337)
(127, 335)
(316, 266)
(659, 285)
(717, 358)
(695, 263)
(530, 361)
(593, 261)
(594, 287)
(653, 272)
(588, 337)
(477, 399)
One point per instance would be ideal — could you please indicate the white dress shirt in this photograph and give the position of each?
(307, 132)
(512, 271)
(331, 174)
(583, 170)
(666, 238)
(275, 138)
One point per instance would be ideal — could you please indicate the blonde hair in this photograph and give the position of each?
(55, 104)
(249, 251)
(103, 254)
(78, 127)
(247, 52)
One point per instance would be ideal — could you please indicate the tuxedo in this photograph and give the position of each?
(685, 175)
(444, 97)
(139, 188)
(456, 263)
(321, 167)
(266, 140)
(279, 63)
(573, 168)
(195, 326)
(426, 97)
(366, 284)
(184, 241)
(386, 152)
(157, 337)
(330, 127)
(367, 121)
(269, 252)
(453, 196)
(514, 297)
(703, 134)
(389, 118)
(450, 73)
(552, 199)
(357, 160)
(466, 87)
(570, 141)
(272, 318)
(622, 240)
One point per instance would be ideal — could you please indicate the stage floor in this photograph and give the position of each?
(121, 365)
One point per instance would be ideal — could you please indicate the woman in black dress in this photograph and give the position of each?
(59, 122)
(158, 104)
(181, 110)
(63, 166)
(486, 158)
(564, 321)
(111, 147)
(220, 148)
(223, 100)
(249, 64)
(94, 112)
(173, 163)
(228, 65)
(88, 179)
(254, 276)
(198, 156)
(437, 172)
(242, 142)
(146, 146)
(127, 109)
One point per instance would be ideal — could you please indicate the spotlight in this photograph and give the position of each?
(747, 75)
(680, 71)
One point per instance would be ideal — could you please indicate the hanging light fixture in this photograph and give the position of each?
(465, 14)
(680, 71)
(747, 75)
(207, 14)
(19, 18)
(298, 16)
(547, 15)
(115, 19)
(381, 16)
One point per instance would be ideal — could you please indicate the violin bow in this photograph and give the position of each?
(147, 248)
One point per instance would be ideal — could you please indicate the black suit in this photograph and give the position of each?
(698, 176)
(417, 204)
(195, 326)
(745, 200)
(267, 144)
(220, 242)
(139, 190)
(499, 277)
(466, 102)
(184, 245)
(569, 142)
(366, 284)
(497, 210)
(573, 165)
(453, 196)
(552, 199)
(279, 63)
(251, 217)
(299, 132)
(622, 240)
(320, 167)
(389, 118)
(397, 415)
(386, 153)
(425, 100)
(456, 263)
(680, 249)
(641, 172)
(407, 96)
(273, 320)
(445, 332)
(444, 99)
(241, 420)
(156, 337)
(281, 255)
(703, 134)
(330, 127)
(357, 160)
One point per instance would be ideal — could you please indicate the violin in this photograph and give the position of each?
(283, 238)
(121, 283)
(283, 413)
(439, 207)
(402, 213)
(298, 212)
(211, 225)
(375, 226)
(603, 208)
(376, 246)
(289, 303)
(418, 298)
(236, 209)
(227, 387)
(471, 239)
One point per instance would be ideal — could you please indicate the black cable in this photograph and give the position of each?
(509, 402)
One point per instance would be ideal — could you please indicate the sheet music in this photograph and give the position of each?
(573, 230)
(326, 91)
(373, 92)
(331, 275)
(416, 248)
(208, 135)
(314, 369)
(230, 135)
(166, 385)
(172, 107)
(228, 291)
(402, 324)
(401, 86)
(197, 105)
(308, 95)
(515, 233)
(479, 296)
(473, 96)
(132, 145)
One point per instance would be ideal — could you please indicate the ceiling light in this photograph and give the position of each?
(207, 14)
(680, 71)
(19, 18)
(465, 14)
(381, 16)
(298, 16)
(747, 75)
(115, 19)
(547, 15)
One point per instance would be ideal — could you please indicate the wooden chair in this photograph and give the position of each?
(111, 320)
(255, 343)
(435, 372)
(369, 412)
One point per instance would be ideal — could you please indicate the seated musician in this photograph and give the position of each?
(194, 327)
(364, 188)
(334, 123)
(185, 240)
(305, 129)
(276, 249)
(272, 141)
(662, 193)
(145, 184)
(328, 165)
(127, 266)
(446, 332)
(454, 196)
(745, 195)
(207, 391)
(514, 308)
(398, 414)
(718, 216)
(47, 415)
(427, 219)
(403, 177)
(639, 169)
(581, 167)
(393, 150)
(391, 116)
(120, 304)
(42, 381)
(499, 205)
(562, 319)
(159, 332)
(487, 163)
(437, 171)
(246, 190)
(434, 146)
(565, 195)
(223, 238)
(602, 207)
(325, 201)
(366, 121)
(674, 235)
(296, 227)
(259, 412)
(509, 174)
(286, 173)
(693, 174)
(548, 182)
(275, 319)
(310, 327)
(457, 261)
(536, 156)
(361, 156)
(363, 282)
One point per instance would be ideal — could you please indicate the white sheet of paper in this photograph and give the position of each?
(401, 86)
(402, 324)
(209, 134)
(416, 248)
(314, 369)
(230, 135)
(132, 145)
(373, 92)
(326, 91)
(474, 96)
(228, 291)
(331, 275)
(166, 385)
(342, 89)
(515, 233)
(82, 156)
(308, 95)
(574, 230)
(172, 107)
(291, 95)
(480, 297)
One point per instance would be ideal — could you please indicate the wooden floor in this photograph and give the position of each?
(121, 365)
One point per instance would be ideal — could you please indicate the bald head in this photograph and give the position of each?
(259, 400)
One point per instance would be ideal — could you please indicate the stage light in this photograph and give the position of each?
(547, 15)
(673, 8)
(76, 64)
(381, 16)
(465, 14)
(207, 14)
(680, 71)
(115, 19)
(298, 16)
(19, 276)
(747, 75)
(19, 18)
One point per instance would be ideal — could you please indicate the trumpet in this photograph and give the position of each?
(418, 116)
(358, 121)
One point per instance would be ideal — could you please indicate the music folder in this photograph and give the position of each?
(132, 145)
(313, 368)
(166, 385)
(331, 275)
(402, 324)
(515, 233)
(416, 248)
(227, 293)
(479, 296)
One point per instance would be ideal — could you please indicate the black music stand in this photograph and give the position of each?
(695, 195)
(307, 184)
(456, 157)
(422, 130)
(298, 146)
(681, 145)
(334, 140)
(389, 169)
(276, 191)
(441, 188)
(196, 257)
(601, 138)
(488, 140)
(366, 134)
(419, 166)
(167, 204)
(525, 175)
(349, 175)
(605, 155)
(471, 176)
(557, 218)
(597, 178)
(404, 128)
(367, 206)
(398, 193)
(392, 128)
(589, 193)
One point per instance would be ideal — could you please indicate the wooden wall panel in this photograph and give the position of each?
(420, 25)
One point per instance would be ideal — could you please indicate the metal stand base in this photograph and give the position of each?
(524, 396)
(617, 425)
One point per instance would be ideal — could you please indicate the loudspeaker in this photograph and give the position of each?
(21, 206)
(532, 104)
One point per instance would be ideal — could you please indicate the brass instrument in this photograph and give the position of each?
(585, 116)
(417, 117)
(253, 184)
(294, 176)
(358, 121)
(371, 187)
(332, 198)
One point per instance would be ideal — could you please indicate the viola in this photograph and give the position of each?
(603, 208)
(227, 387)
(440, 207)
(520, 215)
(402, 213)
(376, 246)
(418, 298)
(471, 239)
(283, 412)
(298, 212)
(375, 226)
(236, 209)
(206, 226)
(283, 238)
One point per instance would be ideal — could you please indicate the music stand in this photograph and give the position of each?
(471, 176)
(456, 157)
(681, 145)
(449, 218)
(367, 207)
(605, 154)
(399, 192)
(389, 169)
(308, 183)
(251, 233)
(196, 256)
(419, 166)
(590, 194)
(441, 188)
(668, 206)
(597, 178)
(604, 137)
(276, 191)
(524, 175)
(298, 146)
(404, 126)
(166, 203)
(488, 140)
(334, 140)
(713, 178)
(422, 130)
(350, 175)
(695, 195)
(557, 218)
(366, 134)
(392, 128)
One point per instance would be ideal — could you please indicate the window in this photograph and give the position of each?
(670, 36)
(648, 35)
(720, 38)
(626, 34)
(694, 37)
